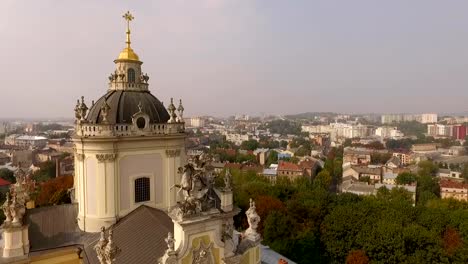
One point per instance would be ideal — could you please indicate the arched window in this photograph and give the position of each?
(131, 75)
(142, 190)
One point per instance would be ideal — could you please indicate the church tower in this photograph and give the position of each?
(128, 147)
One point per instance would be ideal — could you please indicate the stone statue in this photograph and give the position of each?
(100, 247)
(171, 109)
(227, 180)
(105, 111)
(180, 110)
(170, 256)
(17, 211)
(111, 250)
(83, 109)
(144, 78)
(170, 241)
(253, 219)
(77, 111)
(196, 187)
(105, 248)
(6, 210)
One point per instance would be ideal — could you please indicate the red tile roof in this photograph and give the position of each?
(4, 182)
(447, 183)
(288, 166)
(307, 163)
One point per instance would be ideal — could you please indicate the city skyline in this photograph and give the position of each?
(228, 57)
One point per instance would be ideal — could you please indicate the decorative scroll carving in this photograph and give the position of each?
(106, 157)
(203, 254)
(173, 153)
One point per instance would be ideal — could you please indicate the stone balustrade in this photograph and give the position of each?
(122, 85)
(98, 130)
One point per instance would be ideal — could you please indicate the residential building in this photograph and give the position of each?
(237, 138)
(388, 132)
(290, 170)
(262, 155)
(195, 122)
(389, 178)
(447, 173)
(397, 118)
(26, 141)
(309, 166)
(350, 185)
(428, 118)
(453, 189)
(428, 147)
(393, 163)
(356, 156)
(459, 132)
(358, 172)
(405, 158)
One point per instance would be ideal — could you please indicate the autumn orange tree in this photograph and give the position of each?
(357, 257)
(54, 191)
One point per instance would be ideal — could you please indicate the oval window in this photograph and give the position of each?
(141, 122)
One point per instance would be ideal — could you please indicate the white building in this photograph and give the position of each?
(428, 118)
(26, 141)
(195, 122)
(388, 132)
(237, 138)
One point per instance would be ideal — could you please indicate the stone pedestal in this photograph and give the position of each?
(16, 241)
(226, 199)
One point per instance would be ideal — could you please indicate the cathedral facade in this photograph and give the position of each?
(136, 198)
(128, 147)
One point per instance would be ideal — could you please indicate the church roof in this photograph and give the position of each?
(124, 104)
(140, 234)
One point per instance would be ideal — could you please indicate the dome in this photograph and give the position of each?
(128, 54)
(124, 104)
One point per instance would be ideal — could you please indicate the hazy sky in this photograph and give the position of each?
(240, 56)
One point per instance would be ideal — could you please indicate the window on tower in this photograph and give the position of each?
(142, 189)
(131, 75)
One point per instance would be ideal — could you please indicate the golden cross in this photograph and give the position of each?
(128, 16)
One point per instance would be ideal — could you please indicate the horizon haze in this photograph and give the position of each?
(226, 57)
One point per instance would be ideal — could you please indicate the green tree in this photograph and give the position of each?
(272, 158)
(406, 178)
(323, 179)
(465, 171)
(251, 144)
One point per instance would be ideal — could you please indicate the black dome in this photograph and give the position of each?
(124, 104)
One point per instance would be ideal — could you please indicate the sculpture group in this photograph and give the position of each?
(14, 206)
(196, 188)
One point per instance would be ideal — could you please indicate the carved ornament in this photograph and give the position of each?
(173, 153)
(106, 157)
(80, 157)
